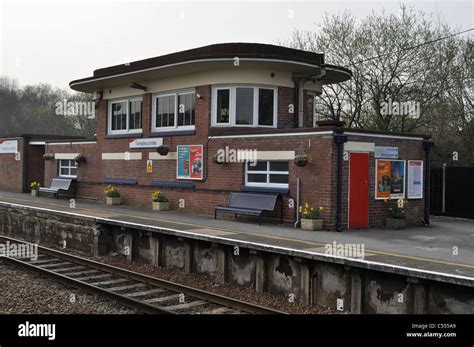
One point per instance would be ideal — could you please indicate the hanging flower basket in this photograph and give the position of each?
(48, 156)
(163, 150)
(80, 159)
(302, 160)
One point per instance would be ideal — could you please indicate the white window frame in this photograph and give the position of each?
(268, 172)
(127, 130)
(69, 167)
(176, 94)
(232, 106)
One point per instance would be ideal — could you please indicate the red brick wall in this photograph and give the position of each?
(11, 170)
(318, 179)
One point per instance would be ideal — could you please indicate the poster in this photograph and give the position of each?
(190, 163)
(9, 146)
(415, 179)
(389, 179)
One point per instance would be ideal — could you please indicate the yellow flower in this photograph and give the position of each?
(306, 205)
(321, 208)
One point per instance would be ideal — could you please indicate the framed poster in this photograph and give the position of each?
(189, 162)
(415, 179)
(389, 179)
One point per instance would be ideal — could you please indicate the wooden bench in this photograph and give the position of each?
(59, 184)
(252, 204)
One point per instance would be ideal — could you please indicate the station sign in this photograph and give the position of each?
(8, 146)
(146, 143)
(386, 152)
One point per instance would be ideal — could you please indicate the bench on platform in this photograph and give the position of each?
(59, 184)
(252, 204)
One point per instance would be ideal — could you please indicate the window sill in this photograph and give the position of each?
(265, 189)
(172, 133)
(123, 136)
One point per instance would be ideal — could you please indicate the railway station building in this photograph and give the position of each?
(234, 117)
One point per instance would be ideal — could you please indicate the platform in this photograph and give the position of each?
(445, 249)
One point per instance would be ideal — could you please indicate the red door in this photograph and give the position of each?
(359, 191)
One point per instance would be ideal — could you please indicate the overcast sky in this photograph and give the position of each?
(59, 41)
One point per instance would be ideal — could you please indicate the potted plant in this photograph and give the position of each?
(396, 214)
(310, 217)
(160, 201)
(163, 150)
(48, 156)
(34, 188)
(112, 196)
(302, 160)
(79, 159)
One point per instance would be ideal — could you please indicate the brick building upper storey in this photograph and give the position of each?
(244, 98)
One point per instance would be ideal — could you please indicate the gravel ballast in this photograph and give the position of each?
(26, 292)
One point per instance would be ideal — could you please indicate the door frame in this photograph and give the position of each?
(349, 188)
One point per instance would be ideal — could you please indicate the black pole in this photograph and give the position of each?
(25, 168)
(339, 138)
(427, 145)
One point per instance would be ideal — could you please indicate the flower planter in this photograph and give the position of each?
(311, 224)
(113, 201)
(34, 192)
(161, 206)
(395, 223)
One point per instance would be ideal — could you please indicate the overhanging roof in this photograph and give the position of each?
(211, 57)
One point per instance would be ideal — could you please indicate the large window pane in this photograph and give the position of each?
(223, 105)
(165, 111)
(119, 116)
(244, 106)
(260, 166)
(186, 109)
(278, 166)
(278, 178)
(257, 178)
(135, 114)
(265, 106)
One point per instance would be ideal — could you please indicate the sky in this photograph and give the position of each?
(56, 41)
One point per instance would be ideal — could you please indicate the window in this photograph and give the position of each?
(174, 111)
(267, 174)
(223, 106)
(244, 106)
(125, 116)
(67, 168)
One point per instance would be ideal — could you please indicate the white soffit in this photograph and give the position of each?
(359, 146)
(65, 156)
(122, 156)
(157, 156)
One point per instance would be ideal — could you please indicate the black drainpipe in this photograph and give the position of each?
(24, 158)
(340, 139)
(296, 108)
(427, 145)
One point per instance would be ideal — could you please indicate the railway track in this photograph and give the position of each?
(145, 293)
